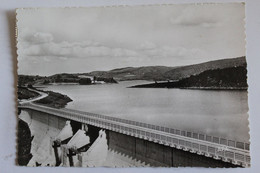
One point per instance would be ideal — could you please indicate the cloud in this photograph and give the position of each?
(42, 44)
(147, 45)
(151, 50)
(196, 17)
(40, 37)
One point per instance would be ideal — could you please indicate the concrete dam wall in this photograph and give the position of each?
(46, 129)
(159, 155)
(44, 126)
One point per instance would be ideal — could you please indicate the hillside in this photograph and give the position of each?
(186, 71)
(135, 73)
(226, 78)
(162, 73)
(62, 78)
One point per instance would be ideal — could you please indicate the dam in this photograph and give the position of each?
(143, 144)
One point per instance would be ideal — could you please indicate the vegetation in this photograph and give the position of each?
(180, 74)
(235, 77)
(46, 81)
(54, 99)
(85, 81)
(107, 80)
(24, 80)
(24, 93)
(162, 73)
(228, 78)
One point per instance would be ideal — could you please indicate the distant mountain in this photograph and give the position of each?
(162, 73)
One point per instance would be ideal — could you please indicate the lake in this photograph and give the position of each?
(218, 113)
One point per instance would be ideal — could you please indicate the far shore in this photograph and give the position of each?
(170, 85)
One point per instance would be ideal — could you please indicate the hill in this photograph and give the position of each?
(163, 73)
(226, 78)
(150, 73)
(135, 73)
(186, 71)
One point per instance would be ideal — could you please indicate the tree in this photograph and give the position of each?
(85, 81)
(46, 81)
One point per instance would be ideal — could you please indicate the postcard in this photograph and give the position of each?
(133, 86)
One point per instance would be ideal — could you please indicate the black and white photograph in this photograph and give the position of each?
(133, 86)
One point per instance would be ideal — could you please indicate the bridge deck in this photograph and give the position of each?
(210, 146)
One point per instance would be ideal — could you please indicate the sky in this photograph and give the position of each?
(76, 40)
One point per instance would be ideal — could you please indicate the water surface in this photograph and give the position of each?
(217, 113)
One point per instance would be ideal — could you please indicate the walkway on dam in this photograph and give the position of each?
(210, 146)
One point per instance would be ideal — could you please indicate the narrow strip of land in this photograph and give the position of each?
(41, 96)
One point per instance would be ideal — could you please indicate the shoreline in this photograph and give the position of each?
(215, 88)
(169, 86)
(191, 88)
(54, 99)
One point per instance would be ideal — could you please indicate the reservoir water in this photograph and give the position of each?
(216, 113)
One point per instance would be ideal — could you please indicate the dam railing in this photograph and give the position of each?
(210, 146)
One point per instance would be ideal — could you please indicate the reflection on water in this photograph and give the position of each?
(219, 113)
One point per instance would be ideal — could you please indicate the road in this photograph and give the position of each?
(41, 96)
